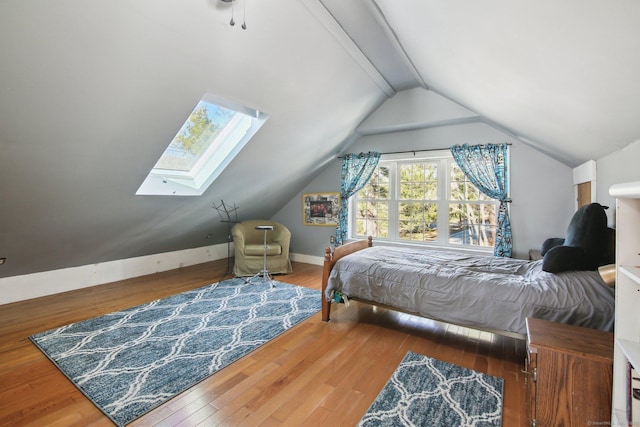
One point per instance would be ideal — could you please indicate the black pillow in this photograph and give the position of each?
(566, 258)
(585, 244)
(550, 244)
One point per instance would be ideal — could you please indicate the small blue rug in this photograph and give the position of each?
(428, 392)
(131, 361)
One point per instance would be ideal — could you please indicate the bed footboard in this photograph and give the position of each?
(330, 258)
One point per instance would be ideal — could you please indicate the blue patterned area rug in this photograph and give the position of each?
(131, 361)
(428, 392)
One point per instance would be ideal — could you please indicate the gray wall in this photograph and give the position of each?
(541, 188)
(308, 239)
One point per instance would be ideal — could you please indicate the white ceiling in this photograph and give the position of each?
(563, 76)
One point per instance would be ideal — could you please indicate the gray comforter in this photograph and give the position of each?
(484, 292)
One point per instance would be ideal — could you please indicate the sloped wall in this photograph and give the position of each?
(92, 93)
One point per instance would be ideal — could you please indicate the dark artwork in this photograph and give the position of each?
(320, 208)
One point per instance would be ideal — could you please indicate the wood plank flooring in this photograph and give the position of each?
(314, 374)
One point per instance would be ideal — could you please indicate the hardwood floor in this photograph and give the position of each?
(314, 374)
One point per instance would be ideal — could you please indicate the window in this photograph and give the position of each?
(215, 131)
(424, 200)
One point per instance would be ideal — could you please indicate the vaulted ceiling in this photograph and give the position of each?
(561, 76)
(92, 91)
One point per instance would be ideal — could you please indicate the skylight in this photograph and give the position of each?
(215, 131)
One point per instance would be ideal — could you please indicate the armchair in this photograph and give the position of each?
(249, 248)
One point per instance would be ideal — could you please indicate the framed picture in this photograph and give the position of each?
(320, 208)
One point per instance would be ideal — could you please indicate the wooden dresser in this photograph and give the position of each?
(570, 370)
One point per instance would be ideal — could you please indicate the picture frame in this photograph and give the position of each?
(320, 209)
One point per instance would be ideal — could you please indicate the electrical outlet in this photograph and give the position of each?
(332, 239)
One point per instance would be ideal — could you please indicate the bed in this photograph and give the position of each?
(482, 292)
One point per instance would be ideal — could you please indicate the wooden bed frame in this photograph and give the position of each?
(331, 257)
(329, 261)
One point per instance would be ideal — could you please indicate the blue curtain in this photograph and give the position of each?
(486, 167)
(356, 171)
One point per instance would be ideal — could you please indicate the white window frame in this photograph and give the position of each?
(444, 160)
(222, 150)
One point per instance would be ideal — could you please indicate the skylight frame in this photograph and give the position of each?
(216, 157)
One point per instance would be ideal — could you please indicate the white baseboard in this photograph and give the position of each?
(308, 259)
(34, 285)
(28, 286)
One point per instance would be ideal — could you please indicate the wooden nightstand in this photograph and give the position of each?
(570, 370)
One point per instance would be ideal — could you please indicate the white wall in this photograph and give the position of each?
(617, 167)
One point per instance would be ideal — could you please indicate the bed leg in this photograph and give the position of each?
(326, 309)
(326, 305)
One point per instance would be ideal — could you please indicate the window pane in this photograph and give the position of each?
(431, 190)
(372, 219)
(463, 189)
(456, 173)
(382, 229)
(200, 130)
(431, 172)
(372, 227)
(472, 192)
(378, 185)
(418, 181)
(405, 190)
(458, 187)
(417, 191)
(418, 221)
(458, 190)
(472, 224)
(383, 210)
(406, 174)
(366, 192)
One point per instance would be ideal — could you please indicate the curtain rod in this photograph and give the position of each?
(413, 151)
